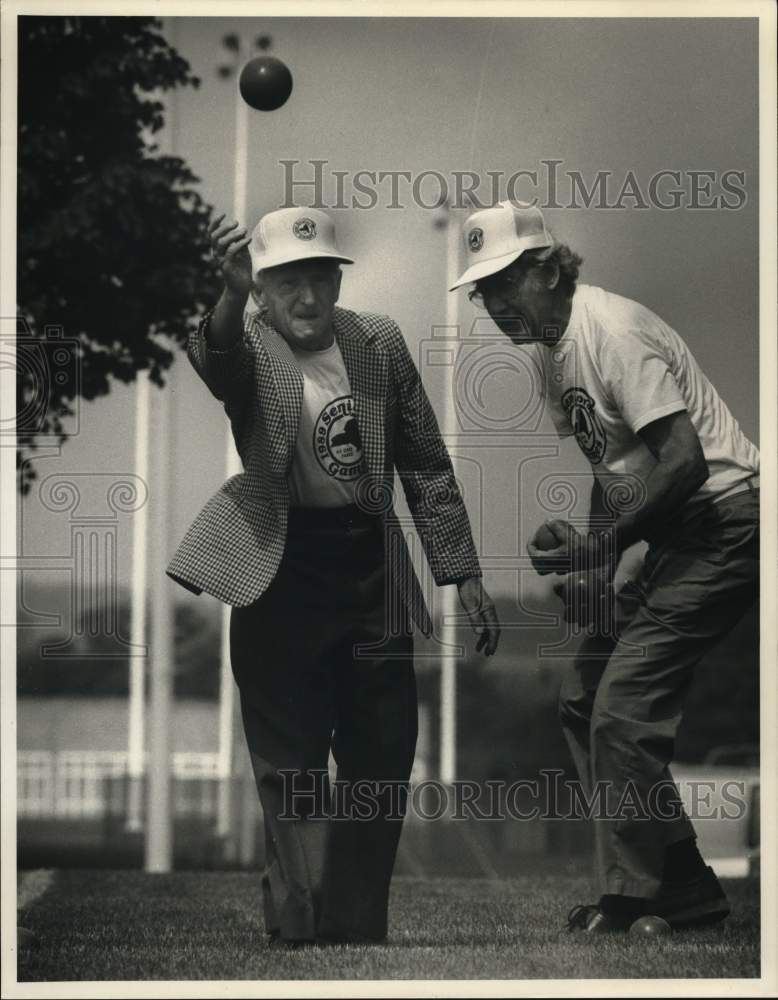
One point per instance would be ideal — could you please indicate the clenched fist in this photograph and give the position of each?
(553, 546)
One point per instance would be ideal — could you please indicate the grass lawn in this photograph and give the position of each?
(97, 925)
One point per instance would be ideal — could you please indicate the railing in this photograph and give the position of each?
(83, 784)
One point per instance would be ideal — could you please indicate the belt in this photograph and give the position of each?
(695, 509)
(329, 518)
(750, 485)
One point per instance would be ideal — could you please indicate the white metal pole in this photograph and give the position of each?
(232, 467)
(159, 818)
(240, 180)
(448, 667)
(159, 841)
(136, 707)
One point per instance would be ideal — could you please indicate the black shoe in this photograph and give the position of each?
(699, 902)
(592, 920)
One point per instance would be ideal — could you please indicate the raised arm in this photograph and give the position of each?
(218, 350)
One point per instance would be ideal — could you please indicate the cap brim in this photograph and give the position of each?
(276, 260)
(494, 264)
(485, 268)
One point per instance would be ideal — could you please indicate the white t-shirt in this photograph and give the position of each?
(328, 453)
(617, 368)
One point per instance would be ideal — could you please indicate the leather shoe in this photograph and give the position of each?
(592, 920)
(699, 902)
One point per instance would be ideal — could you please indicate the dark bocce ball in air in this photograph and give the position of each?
(265, 83)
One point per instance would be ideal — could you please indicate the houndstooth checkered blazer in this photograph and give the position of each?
(234, 547)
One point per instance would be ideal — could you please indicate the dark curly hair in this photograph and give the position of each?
(567, 260)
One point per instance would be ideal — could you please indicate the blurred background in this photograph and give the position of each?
(129, 133)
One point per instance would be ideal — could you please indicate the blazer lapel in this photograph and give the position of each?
(288, 384)
(368, 375)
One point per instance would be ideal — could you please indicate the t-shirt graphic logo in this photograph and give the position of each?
(336, 440)
(586, 423)
(304, 229)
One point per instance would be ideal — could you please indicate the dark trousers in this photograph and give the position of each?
(621, 703)
(306, 687)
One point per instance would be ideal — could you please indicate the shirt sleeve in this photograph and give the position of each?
(227, 373)
(637, 372)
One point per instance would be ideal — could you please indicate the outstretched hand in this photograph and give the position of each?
(229, 246)
(482, 614)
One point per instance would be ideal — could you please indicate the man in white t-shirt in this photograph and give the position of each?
(325, 405)
(671, 467)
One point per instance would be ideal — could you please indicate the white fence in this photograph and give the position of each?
(84, 784)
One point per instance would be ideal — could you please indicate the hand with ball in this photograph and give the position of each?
(554, 547)
(558, 547)
(586, 589)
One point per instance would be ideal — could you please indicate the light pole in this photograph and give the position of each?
(136, 708)
(158, 846)
(448, 634)
(237, 53)
(159, 820)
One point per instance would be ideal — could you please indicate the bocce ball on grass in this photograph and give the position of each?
(650, 926)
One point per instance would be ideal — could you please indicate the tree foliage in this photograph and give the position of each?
(112, 244)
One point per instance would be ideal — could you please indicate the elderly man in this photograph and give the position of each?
(324, 405)
(671, 467)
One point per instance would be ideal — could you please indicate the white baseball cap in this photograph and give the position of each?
(495, 237)
(290, 234)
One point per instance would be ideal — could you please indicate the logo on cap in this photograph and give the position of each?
(475, 239)
(304, 229)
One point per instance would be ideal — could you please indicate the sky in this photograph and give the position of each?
(494, 96)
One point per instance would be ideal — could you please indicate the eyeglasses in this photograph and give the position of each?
(498, 286)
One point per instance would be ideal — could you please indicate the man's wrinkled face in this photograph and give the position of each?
(517, 299)
(300, 299)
